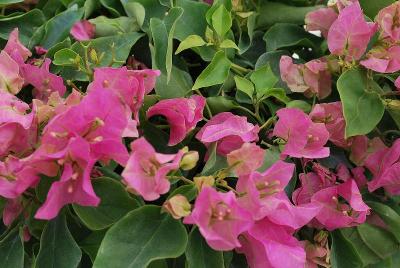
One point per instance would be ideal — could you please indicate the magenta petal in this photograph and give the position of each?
(83, 30)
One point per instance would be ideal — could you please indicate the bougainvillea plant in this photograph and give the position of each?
(209, 134)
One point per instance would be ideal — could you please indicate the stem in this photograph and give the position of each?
(239, 68)
(207, 107)
(314, 101)
(228, 188)
(269, 122)
(182, 179)
(250, 112)
(391, 93)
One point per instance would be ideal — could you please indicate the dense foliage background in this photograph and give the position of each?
(251, 58)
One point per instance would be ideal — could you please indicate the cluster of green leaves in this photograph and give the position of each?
(229, 52)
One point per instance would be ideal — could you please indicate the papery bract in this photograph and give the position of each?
(220, 219)
(331, 114)
(311, 78)
(10, 79)
(74, 185)
(383, 60)
(387, 19)
(83, 30)
(311, 183)
(229, 130)
(385, 167)
(350, 34)
(335, 214)
(16, 49)
(182, 115)
(146, 171)
(362, 147)
(246, 159)
(43, 80)
(303, 137)
(268, 245)
(320, 20)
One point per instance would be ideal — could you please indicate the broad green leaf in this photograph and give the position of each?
(26, 23)
(246, 37)
(228, 44)
(57, 246)
(135, 10)
(285, 35)
(12, 250)
(108, 27)
(151, 9)
(8, 2)
(244, 86)
(263, 79)
(371, 8)
(277, 93)
(215, 161)
(362, 106)
(113, 6)
(58, 27)
(343, 254)
(142, 236)
(221, 21)
(275, 12)
(189, 191)
(67, 57)
(190, 42)
(200, 255)
(221, 104)
(380, 241)
(389, 216)
(90, 6)
(302, 105)
(215, 73)
(64, 44)
(188, 23)
(179, 84)
(115, 203)
(91, 243)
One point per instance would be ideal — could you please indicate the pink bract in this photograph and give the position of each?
(182, 115)
(246, 159)
(10, 79)
(383, 60)
(83, 30)
(229, 130)
(387, 19)
(220, 219)
(146, 171)
(320, 20)
(304, 138)
(16, 49)
(350, 34)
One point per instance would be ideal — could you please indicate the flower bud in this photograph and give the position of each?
(393, 104)
(203, 181)
(189, 160)
(93, 56)
(178, 206)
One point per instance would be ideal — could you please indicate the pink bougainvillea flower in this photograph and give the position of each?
(74, 185)
(10, 79)
(387, 19)
(83, 30)
(268, 245)
(397, 83)
(350, 34)
(335, 214)
(43, 80)
(182, 114)
(220, 219)
(102, 128)
(15, 177)
(385, 167)
(362, 147)
(311, 183)
(246, 159)
(331, 114)
(320, 20)
(40, 50)
(383, 60)
(146, 171)
(15, 49)
(263, 194)
(147, 77)
(316, 255)
(229, 130)
(341, 4)
(356, 173)
(303, 137)
(311, 78)
(17, 128)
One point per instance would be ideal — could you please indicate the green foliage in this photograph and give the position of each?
(12, 249)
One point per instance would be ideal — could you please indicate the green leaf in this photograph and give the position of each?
(264, 79)
(113, 6)
(302, 105)
(371, 8)
(150, 9)
(215, 161)
(140, 237)
(67, 57)
(215, 73)
(135, 10)
(380, 241)
(244, 86)
(8, 2)
(57, 246)
(91, 243)
(90, 6)
(58, 27)
(179, 85)
(221, 104)
(285, 35)
(12, 250)
(27, 23)
(189, 42)
(189, 24)
(362, 106)
(189, 191)
(227, 43)
(108, 27)
(115, 203)
(388, 215)
(200, 255)
(343, 254)
(221, 21)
